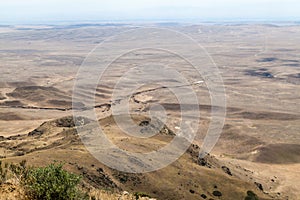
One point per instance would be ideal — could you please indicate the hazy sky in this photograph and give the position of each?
(35, 11)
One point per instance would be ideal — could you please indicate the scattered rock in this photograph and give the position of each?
(217, 193)
(99, 180)
(100, 170)
(154, 127)
(123, 177)
(259, 186)
(144, 123)
(142, 195)
(192, 191)
(226, 170)
(203, 162)
(203, 196)
(35, 132)
(65, 122)
(68, 122)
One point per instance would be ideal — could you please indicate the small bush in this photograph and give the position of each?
(13, 171)
(251, 196)
(3, 172)
(52, 182)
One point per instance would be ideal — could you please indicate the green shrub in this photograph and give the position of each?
(52, 182)
(251, 196)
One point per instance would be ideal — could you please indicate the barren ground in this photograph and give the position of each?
(260, 141)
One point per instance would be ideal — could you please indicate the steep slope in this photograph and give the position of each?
(186, 178)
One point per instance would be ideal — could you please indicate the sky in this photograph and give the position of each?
(40, 11)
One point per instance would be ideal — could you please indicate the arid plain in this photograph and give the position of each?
(259, 148)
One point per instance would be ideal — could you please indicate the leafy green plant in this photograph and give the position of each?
(52, 182)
